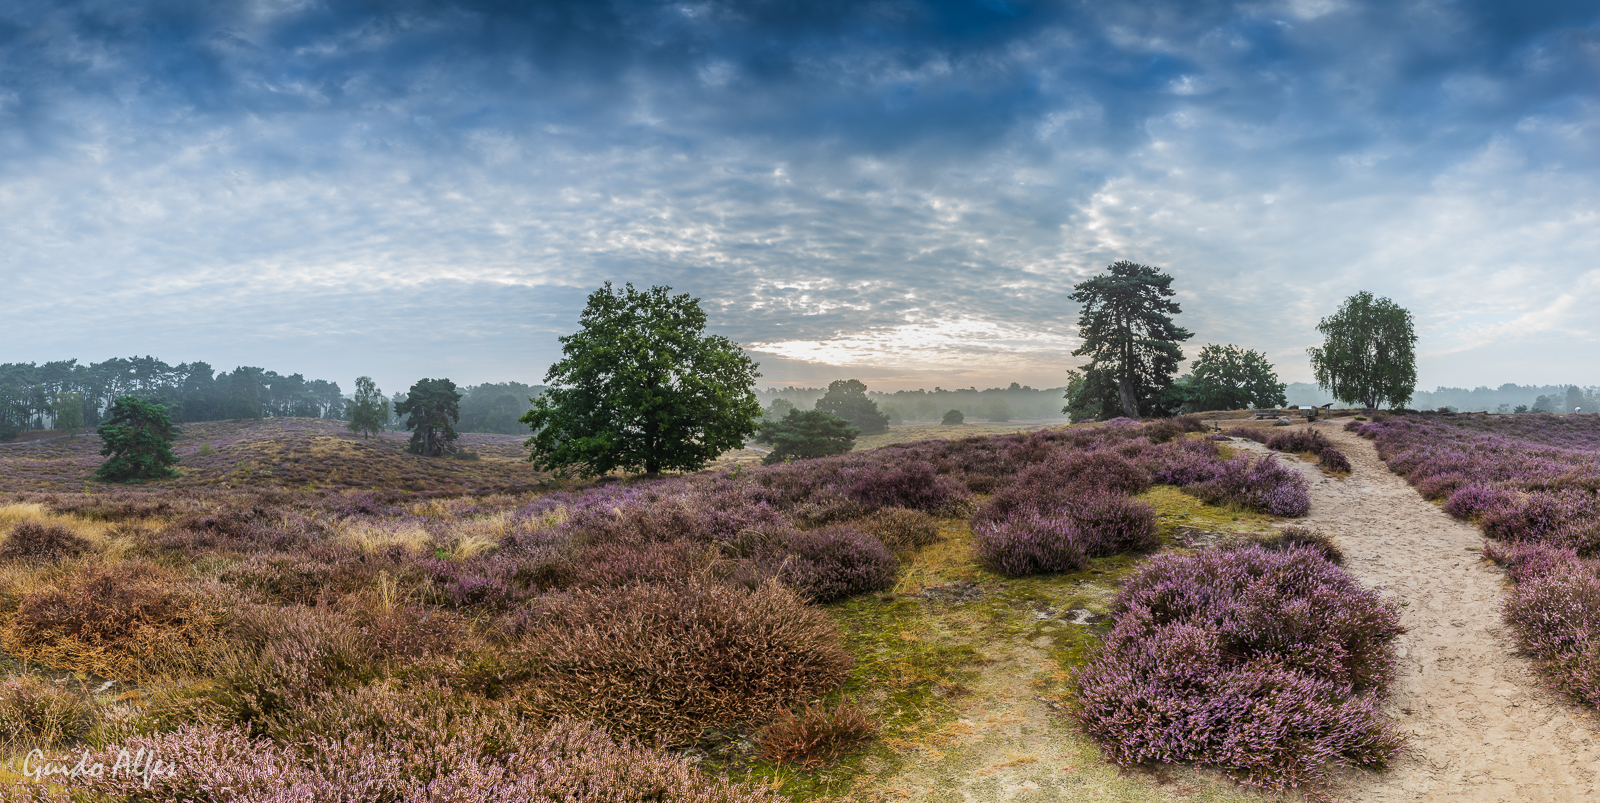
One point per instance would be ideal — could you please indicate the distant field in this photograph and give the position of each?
(302, 453)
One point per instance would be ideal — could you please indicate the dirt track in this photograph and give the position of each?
(1484, 729)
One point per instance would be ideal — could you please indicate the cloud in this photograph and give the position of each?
(896, 189)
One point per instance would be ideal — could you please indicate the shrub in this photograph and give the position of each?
(1162, 430)
(1029, 542)
(1524, 562)
(1108, 524)
(1250, 433)
(1334, 460)
(815, 736)
(952, 418)
(1263, 485)
(125, 621)
(833, 563)
(1300, 440)
(912, 484)
(1354, 424)
(1294, 536)
(901, 530)
(1474, 498)
(668, 661)
(1555, 616)
(34, 542)
(1270, 666)
(1190, 423)
(1099, 470)
(283, 658)
(36, 714)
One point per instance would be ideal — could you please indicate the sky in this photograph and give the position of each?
(901, 192)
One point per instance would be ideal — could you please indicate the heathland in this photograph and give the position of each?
(968, 615)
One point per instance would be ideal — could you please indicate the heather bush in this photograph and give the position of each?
(1556, 617)
(1162, 430)
(668, 661)
(902, 531)
(1190, 423)
(1525, 561)
(912, 484)
(832, 563)
(1334, 460)
(1299, 440)
(281, 658)
(609, 565)
(1474, 498)
(1029, 542)
(815, 737)
(38, 714)
(1262, 484)
(1296, 536)
(37, 543)
(1251, 433)
(1098, 470)
(1108, 524)
(1352, 425)
(125, 621)
(1270, 666)
(1185, 463)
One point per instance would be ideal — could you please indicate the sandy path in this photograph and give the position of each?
(1484, 729)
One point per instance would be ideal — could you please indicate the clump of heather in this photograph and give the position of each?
(1263, 484)
(1555, 614)
(1029, 543)
(663, 661)
(1334, 460)
(1268, 665)
(1299, 440)
(833, 563)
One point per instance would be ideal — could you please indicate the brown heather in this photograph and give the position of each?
(815, 737)
(35, 542)
(668, 662)
(127, 621)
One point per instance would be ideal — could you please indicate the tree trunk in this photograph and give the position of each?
(1130, 401)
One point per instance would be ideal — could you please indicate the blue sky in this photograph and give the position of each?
(902, 192)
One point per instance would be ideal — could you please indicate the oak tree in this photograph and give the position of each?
(640, 385)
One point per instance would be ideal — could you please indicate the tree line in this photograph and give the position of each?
(34, 396)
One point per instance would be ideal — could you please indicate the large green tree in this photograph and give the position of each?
(137, 438)
(1231, 378)
(641, 385)
(369, 410)
(432, 408)
(847, 398)
(805, 434)
(1129, 337)
(1368, 354)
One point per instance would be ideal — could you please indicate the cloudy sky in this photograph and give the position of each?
(899, 191)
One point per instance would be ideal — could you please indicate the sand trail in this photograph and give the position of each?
(1483, 727)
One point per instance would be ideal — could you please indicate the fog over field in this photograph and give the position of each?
(902, 192)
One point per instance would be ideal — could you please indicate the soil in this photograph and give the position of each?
(1483, 726)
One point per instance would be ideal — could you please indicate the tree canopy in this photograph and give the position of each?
(1230, 378)
(369, 410)
(847, 398)
(1368, 355)
(805, 434)
(1130, 339)
(137, 438)
(641, 386)
(432, 408)
(953, 418)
